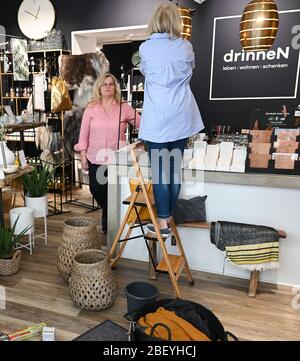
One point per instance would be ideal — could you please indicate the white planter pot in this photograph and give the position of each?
(9, 155)
(39, 204)
(25, 217)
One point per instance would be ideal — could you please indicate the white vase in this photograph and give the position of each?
(5, 152)
(39, 204)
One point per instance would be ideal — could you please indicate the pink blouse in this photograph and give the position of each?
(99, 131)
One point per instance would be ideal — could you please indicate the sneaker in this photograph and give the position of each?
(164, 232)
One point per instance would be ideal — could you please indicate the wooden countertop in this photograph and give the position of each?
(10, 177)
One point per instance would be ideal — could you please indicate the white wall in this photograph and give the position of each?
(274, 207)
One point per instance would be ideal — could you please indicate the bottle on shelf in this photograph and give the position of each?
(17, 161)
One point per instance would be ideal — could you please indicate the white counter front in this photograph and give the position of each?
(268, 200)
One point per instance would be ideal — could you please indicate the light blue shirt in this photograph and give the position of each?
(170, 111)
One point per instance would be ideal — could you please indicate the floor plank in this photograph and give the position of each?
(38, 294)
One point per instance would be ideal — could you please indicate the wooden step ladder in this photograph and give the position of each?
(142, 197)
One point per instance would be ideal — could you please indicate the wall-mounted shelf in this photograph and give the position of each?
(15, 97)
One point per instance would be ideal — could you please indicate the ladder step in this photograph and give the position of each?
(153, 237)
(176, 264)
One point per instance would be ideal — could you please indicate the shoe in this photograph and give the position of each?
(164, 232)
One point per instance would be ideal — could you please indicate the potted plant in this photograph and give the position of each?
(9, 257)
(36, 186)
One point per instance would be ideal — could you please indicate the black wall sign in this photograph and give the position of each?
(238, 75)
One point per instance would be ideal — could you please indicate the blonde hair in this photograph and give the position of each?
(97, 97)
(166, 19)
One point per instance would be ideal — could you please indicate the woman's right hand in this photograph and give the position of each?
(84, 162)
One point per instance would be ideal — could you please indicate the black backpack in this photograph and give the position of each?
(197, 315)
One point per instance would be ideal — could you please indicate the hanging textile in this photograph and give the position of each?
(38, 92)
(250, 247)
(20, 59)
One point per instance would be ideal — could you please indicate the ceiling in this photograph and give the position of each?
(88, 40)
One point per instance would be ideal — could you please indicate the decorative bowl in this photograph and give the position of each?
(10, 169)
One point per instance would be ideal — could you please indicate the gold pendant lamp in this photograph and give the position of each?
(186, 17)
(259, 25)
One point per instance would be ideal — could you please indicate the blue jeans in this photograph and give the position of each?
(166, 159)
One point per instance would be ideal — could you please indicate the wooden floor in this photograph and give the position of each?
(37, 294)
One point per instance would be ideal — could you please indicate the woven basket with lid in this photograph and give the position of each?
(92, 285)
(79, 233)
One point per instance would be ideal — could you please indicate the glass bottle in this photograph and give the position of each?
(17, 161)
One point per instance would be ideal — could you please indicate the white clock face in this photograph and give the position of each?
(36, 18)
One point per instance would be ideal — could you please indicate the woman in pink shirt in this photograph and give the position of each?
(99, 135)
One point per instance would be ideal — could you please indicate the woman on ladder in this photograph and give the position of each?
(170, 113)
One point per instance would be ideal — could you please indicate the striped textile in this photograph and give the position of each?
(247, 246)
(254, 256)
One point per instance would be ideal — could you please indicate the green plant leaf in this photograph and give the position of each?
(8, 240)
(36, 183)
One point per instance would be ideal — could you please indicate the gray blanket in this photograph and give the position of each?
(226, 234)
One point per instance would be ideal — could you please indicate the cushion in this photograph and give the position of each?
(190, 210)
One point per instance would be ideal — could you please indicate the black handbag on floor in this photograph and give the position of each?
(197, 315)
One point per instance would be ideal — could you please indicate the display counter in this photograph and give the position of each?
(262, 199)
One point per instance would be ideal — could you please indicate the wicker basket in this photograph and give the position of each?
(92, 285)
(79, 233)
(9, 267)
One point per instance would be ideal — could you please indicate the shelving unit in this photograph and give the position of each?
(24, 135)
(40, 62)
(134, 98)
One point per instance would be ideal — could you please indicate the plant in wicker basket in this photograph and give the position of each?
(9, 257)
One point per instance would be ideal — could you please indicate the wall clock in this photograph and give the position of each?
(36, 18)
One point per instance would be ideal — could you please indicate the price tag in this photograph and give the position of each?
(22, 158)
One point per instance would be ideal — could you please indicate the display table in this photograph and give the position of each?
(6, 181)
(262, 199)
(12, 128)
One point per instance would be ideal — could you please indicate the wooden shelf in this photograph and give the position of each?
(40, 51)
(15, 97)
(12, 128)
(26, 140)
(7, 73)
